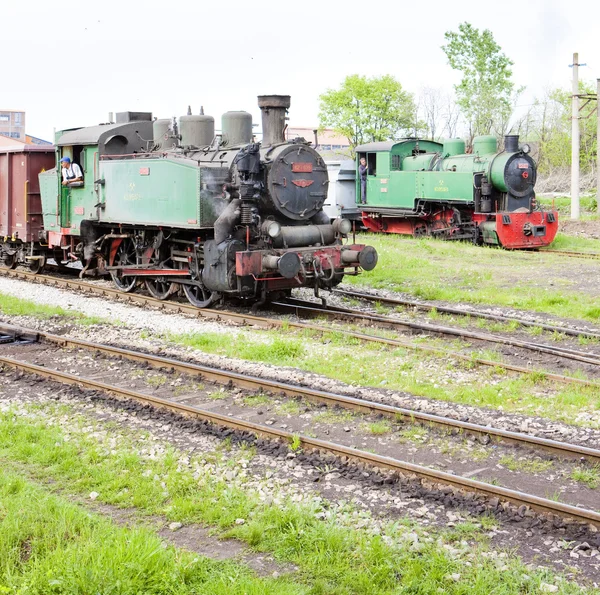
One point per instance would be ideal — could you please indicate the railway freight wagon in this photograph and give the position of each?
(175, 207)
(21, 221)
(421, 187)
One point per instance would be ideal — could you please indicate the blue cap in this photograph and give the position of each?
(65, 160)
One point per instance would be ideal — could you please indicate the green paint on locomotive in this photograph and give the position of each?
(66, 207)
(158, 191)
(404, 172)
(162, 192)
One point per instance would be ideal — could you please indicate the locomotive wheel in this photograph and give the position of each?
(125, 256)
(9, 261)
(199, 296)
(160, 288)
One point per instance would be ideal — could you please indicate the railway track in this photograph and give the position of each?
(303, 308)
(376, 461)
(592, 255)
(308, 309)
(477, 314)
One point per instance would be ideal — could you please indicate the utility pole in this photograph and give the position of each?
(598, 145)
(575, 140)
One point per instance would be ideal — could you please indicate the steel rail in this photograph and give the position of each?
(255, 383)
(462, 312)
(269, 323)
(593, 255)
(517, 498)
(305, 308)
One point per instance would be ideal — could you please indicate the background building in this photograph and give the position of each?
(12, 124)
(329, 143)
(12, 130)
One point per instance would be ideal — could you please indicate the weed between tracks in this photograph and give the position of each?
(48, 545)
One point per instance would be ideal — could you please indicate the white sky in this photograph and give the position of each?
(69, 64)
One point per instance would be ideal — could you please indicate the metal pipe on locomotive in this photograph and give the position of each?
(213, 214)
(422, 187)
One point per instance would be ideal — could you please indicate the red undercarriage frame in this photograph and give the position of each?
(316, 262)
(513, 231)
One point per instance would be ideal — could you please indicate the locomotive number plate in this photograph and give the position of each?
(144, 171)
(302, 168)
(523, 165)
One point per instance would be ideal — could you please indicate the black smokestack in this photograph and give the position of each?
(511, 143)
(273, 109)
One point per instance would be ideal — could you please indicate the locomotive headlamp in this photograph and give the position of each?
(526, 148)
(271, 228)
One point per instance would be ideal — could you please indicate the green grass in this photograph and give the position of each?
(333, 556)
(276, 350)
(562, 204)
(378, 428)
(257, 400)
(12, 306)
(293, 407)
(401, 369)
(334, 416)
(527, 465)
(590, 476)
(459, 272)
(49, 545)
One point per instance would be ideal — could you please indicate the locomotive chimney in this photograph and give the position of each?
(273, 109)
(511, 143)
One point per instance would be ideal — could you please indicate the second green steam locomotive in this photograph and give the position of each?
(421, 187)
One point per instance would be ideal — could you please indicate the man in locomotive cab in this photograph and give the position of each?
(71, 172)
(362, 173)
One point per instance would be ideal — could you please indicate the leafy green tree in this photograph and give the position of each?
(486, 92)
(368, 109)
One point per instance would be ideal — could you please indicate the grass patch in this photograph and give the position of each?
(590, 476)
(334, 557)
(378, 428)
(534, 465)
(13, 306)
(292, 407)
(334, 416)
(411, 371)
(48, 545)
(256, 400)
(460, 272)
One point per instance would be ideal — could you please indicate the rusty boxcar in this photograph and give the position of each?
(21, 218)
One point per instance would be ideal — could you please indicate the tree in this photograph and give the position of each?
(368, 109)
(486, 93)
(440, 113)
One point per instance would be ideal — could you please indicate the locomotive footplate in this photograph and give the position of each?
(520, 230)
(320, 261)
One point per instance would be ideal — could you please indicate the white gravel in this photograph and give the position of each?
(134, 317)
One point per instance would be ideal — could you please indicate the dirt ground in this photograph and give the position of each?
(581, 229)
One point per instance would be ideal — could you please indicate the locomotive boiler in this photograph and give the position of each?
(176, 206)
(421, 187)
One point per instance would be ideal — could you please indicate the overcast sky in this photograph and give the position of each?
(69, 64)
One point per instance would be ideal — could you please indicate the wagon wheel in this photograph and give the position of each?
(124, 256)
(9, 261)
(37, 266)
(160, 288)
